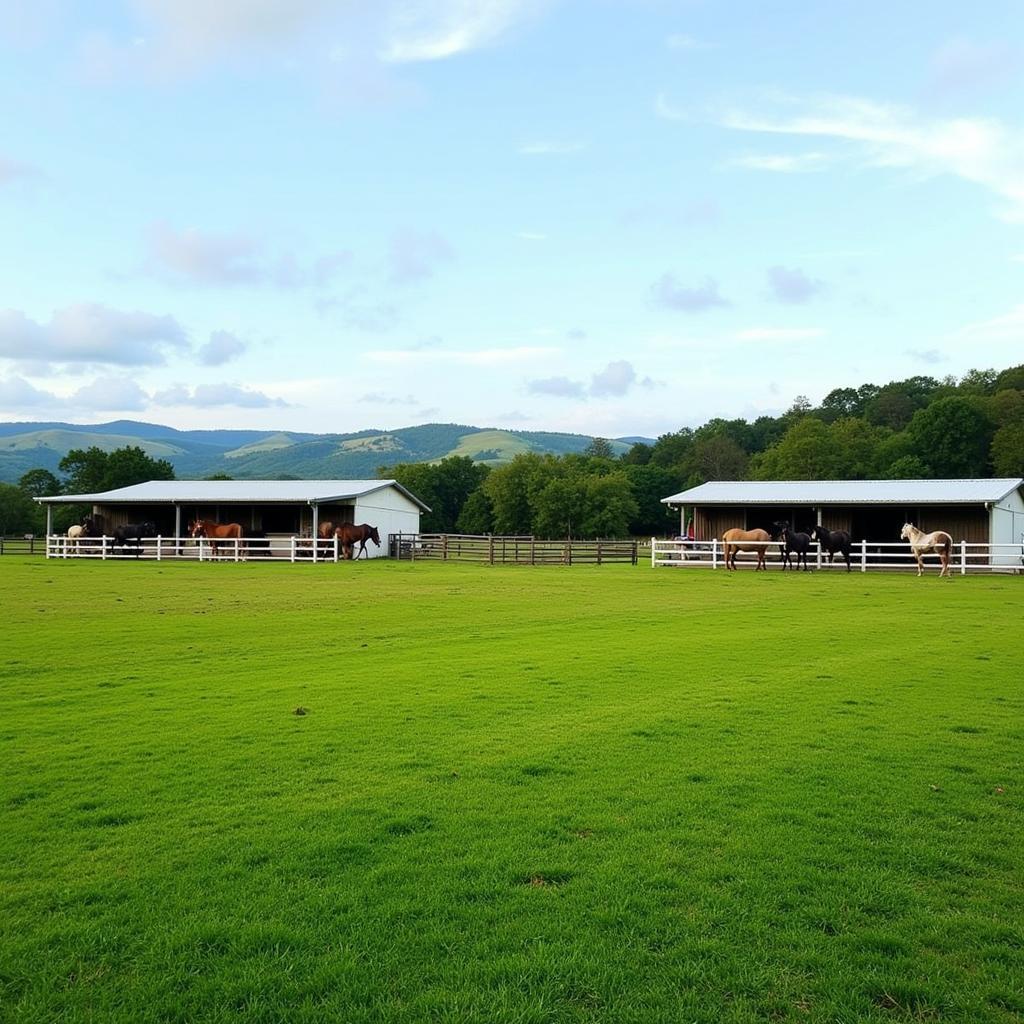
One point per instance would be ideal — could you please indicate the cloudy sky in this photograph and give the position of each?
(606, 216)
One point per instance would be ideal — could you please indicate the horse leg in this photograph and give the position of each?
(920, 563)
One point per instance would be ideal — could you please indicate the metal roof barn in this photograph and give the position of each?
(275, 507)
(987, 511)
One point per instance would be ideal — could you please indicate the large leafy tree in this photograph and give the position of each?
(445, 486)
(92, 469)
(806, 452)
(19, 514)
(1007, 450)
(39, 483)
(952, 436)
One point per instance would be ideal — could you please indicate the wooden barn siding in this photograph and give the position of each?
(713, 522)
(837, 519)
(960, 523)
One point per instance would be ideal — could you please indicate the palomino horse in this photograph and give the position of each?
(350, 535)
(745, 540)
(833, 541)
(79, 532)
(922, 543)
(216, 533)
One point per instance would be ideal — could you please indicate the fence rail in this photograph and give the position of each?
(201, 549)
(965, 557)
(27, 545)
(512, 550)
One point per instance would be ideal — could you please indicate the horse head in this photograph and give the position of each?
(779, 531)
(374, 536)
(908, 531)
(197, 529)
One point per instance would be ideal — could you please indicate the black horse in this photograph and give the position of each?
(131, 535)
(793, 542)
(833, 541)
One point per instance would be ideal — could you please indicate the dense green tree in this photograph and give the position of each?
(1006, 406)
(559, 507)
(671, 450)
(638, 455)
(907, 467)
(477, 515)
(978, 382)
(19, 514)
(856, 444)
(599, 448)
(1012, 377)
(512, 490)
(1007, 451)
(649, 484)
(717, 458)
(92, 469)
(840, 403)
(609, 506)
(806, 452)
(39, 483)
(952, 436)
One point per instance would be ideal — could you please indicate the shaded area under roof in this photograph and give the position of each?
(846, 492)
(227, 492)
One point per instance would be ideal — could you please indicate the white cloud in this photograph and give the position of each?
(208, 396)
(222, 347)
(196, 257)
(17, 393)
(424, 30)
(668, 292)
(980, 150)
(792, 286)
(110, 394)
(559, 387)
(89, 332)
(615, 380)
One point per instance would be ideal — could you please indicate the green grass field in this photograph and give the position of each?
(516, 795)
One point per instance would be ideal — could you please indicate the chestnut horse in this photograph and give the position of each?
(216, 533)
(756, 540)
(922, 543)
(350, 535)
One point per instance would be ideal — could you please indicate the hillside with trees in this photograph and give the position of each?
(920, 427)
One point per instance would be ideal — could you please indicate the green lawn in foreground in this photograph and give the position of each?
(519, 795)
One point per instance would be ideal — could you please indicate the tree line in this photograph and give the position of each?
(920, 427)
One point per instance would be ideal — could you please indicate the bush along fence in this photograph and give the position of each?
(965, 557)
(501, 549)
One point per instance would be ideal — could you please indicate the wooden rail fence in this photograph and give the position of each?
(500, 549)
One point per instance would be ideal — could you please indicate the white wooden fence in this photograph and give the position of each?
(966, 557)
(293, 549)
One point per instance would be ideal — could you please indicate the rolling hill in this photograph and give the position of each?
(269, 454)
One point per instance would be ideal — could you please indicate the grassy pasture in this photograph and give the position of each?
(517, 795)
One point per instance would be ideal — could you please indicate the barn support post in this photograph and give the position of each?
(963, 558)
(316, 529)
(49, 527)
(177, 529)
(819, 542)
(863, 556)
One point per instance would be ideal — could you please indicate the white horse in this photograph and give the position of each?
(922, 543)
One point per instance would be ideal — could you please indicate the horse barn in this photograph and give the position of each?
(975, 511)
(275, 508)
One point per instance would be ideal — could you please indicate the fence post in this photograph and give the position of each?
(598, 552)
(635, 553)
(963, 557)
(103, 547)
(316, 547)
(444, 547)
(714, 553)
(293, 549)
(490, 548)
(159, 538)
(336, 546)
(864, 556)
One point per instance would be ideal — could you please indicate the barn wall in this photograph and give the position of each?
(713, 522)
(1006, 525)
(391, 512)
(837, 518)
(961, 522)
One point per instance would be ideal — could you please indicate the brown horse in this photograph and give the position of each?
(745, 540)
(350, 535)
(216, 533)
(922, 543)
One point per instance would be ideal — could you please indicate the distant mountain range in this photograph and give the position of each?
(268, 454)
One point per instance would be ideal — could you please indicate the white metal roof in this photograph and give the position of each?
(226, 492)
(846, 492)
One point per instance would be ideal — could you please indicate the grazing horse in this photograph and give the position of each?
(793, 542)
(133, 534)
(216, 533)
(833, 541)
(745, 540)
(350, 535)
(79, 532)
(922, 543)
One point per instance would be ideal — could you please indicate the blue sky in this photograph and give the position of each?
(613, 217)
